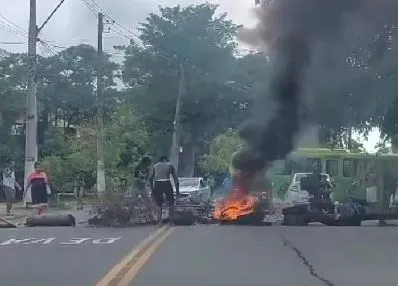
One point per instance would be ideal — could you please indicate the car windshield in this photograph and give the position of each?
(188, 182)
(298, 176)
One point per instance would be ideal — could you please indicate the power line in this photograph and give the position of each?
(49, 16)
(10, 26)
(165, 56)
(90, 8)
(6, 23)
(97, 7)
(12, 43)
(46, 48)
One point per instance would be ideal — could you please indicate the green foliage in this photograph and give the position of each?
(125, 140)
(207, 56)
(221, 150)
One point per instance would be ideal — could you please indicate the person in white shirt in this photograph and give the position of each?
(9, 186)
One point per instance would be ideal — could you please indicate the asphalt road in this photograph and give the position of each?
(274, 256)
(203, 256)
(65, 260)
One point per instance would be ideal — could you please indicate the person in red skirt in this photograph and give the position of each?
(37, 181)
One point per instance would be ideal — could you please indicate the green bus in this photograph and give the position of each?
(344, 168)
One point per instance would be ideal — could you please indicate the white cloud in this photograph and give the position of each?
(74, 23)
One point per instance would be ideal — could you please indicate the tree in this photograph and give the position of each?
(67, 85)
(221, 150)
(358, 93)
(12, 108)
(66, 99)
(126, 138)
(207, 55)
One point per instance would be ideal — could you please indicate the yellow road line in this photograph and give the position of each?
(133, 271)
(120, 269)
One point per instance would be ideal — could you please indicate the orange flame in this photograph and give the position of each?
(236, 204)
(232, 207)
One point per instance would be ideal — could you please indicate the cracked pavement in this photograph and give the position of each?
(207, 255)
(274, 256)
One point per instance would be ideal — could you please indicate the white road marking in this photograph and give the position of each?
(109, 240)
(76, 240)
(14, 241)
(53, 240)
(41, 241)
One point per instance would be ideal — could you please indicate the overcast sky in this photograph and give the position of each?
(74, 23)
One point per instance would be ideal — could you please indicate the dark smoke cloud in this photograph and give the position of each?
(307, 41)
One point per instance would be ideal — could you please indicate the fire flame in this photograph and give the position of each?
(237, 203)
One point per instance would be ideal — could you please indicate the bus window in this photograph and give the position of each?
(332, 167)
(349, 167)
(282, 167)
(305, 165)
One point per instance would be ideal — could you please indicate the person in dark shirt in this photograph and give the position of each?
(141, 173)
(162, 187)
(79, 185)
(142, 185)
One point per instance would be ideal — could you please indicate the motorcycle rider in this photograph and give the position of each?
(320, 188)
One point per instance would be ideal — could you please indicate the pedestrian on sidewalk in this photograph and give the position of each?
(9, 186)
(39, 188)
(79, 189)
(162, 187)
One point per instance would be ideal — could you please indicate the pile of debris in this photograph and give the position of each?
(126, 209)
(120, 210)
(201, 211)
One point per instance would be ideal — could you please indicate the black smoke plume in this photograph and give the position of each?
(298, 35)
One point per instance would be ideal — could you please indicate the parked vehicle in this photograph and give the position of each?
(195, 188)
(295, 194)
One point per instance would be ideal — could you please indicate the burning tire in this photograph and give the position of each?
(253, 219)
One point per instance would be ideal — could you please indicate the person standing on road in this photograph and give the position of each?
(210, 182)
(39, 188)
(9, 186)
(162, 187)
(371, 187)
(142, 172)
(79, 190)
(141, 183)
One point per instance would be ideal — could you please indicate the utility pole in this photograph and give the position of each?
(175, 146)
(31, 117)
(31, 112)
(100, 110)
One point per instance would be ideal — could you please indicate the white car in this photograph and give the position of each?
(195, 187)
(295, 194)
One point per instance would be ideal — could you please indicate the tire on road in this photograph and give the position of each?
(295, 210)
(184, 218)
(51, 220)
(295, 220)
(350, 222)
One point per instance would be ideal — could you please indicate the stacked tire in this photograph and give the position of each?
(295, 216)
